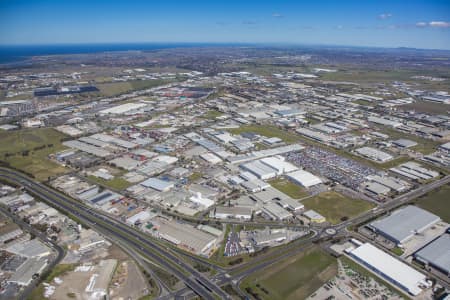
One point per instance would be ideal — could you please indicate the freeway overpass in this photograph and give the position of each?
(119, 231)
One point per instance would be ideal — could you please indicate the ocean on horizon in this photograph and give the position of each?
(19, 53)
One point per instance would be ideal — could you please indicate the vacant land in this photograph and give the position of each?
(117, 183)
(128, 282)
(336, 207)
(268, 131)
(289, 188)
(437, 202)
(28, 150)
(117, 88)
(293, 278)
(195, 176)
(212, 114)
(58, 271)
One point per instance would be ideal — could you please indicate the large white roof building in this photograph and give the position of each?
(389, 268)
(304, 178)
(404, 223)
(123, 108)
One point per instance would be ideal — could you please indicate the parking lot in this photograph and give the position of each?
(232, 246)
(330, 165)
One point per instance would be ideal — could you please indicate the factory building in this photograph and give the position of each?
(385, 122)
(374, 154)
(389, 268)
(233, 212)
(123, 108)
(377, 189)
(24, 274)
(186, 237)
(415, 171)
(404, 143)
(275, 211)
(314, 216)
(158, 184)
(436, 254)
(391, 183)
(304, 178)
(262, 171)
(404, 223)
(315, 135)
(278, 163)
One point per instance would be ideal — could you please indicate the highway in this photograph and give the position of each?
(119, 231)
(202, 286)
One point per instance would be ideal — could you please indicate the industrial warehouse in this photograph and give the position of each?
(436, 254)
(404, 223)
(389, 268)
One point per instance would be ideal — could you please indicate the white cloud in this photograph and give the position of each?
(384, 16)
(434, 24)
(439, 24)
(277, 15)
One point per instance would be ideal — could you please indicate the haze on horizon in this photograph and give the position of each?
(415, 23)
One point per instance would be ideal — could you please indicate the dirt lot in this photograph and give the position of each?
(128, 282)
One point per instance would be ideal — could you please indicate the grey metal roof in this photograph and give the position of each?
(405, 143)
(437, 253)
(157, 183)
(404, 223)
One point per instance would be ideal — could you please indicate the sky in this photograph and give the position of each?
(378, 23)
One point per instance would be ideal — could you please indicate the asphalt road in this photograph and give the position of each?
(197, 282)
(163, 256)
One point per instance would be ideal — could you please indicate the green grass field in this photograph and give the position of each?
(289, 188)
(334, 206)
(212, 114)
(369, 76)
(117, 183)
(294, 278)
(195, 176)
(437, 202)
(268, 131)
(15, 143)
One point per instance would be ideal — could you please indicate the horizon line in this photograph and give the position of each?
(289, 44)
